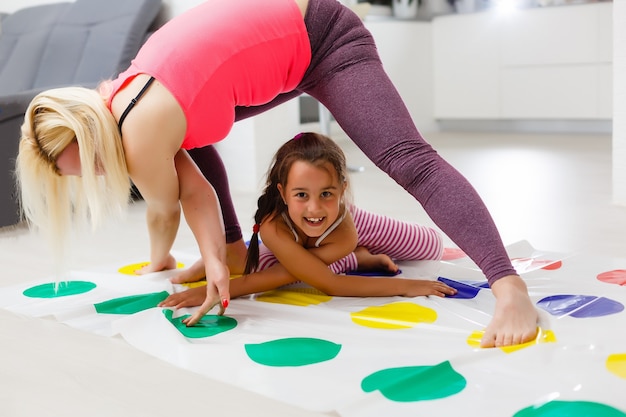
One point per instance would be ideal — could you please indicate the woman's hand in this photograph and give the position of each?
(189, 298)
(217, 291)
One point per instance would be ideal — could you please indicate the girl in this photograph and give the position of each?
(217, 63)
(311, 234)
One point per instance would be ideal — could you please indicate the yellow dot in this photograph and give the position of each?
(543, 336)
(194, 284)
(616, 364)
(295, 296)
(130, 269)
(403, 315)
(202, 282)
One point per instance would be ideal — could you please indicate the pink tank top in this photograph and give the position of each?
(222, 54)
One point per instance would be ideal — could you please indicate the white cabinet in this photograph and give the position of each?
(543, 63)
(466, 67)
(405, 49)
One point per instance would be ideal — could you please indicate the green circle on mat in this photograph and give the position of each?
(59, 289)
(294, 351)
(208, 326)
(570, 408)
(416, 383)
(131, 304)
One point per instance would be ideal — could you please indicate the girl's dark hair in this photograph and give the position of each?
(310, 147)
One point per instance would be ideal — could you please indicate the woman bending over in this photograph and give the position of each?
(217, 63)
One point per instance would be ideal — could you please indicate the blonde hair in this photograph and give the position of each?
(54, 203)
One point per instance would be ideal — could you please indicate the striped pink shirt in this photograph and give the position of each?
(401, 241)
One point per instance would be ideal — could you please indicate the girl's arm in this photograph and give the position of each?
(269, 279)
(307, 267)
(338, 244)
(266, 280)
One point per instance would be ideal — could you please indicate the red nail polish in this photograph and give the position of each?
(224, 303)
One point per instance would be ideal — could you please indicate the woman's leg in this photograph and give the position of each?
(346, 75)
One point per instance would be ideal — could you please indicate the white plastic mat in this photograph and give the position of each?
(379, 356)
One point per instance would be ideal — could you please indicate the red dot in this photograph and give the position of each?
(551, 265)
(532, 264)
(617, 276)
(452, 253)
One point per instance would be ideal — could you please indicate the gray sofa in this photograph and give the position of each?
(60, 44)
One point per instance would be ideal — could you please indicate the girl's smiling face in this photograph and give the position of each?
(313, 196)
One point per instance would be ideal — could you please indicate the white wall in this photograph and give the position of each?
(619, 102)
(9, 6)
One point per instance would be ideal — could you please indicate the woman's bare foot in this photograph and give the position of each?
(236, 254)
(368, 262)
(192, 274)
(515, 318)
(235, 260)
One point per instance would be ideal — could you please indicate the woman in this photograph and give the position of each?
(220, 62)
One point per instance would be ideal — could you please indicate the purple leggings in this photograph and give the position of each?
(346, 76)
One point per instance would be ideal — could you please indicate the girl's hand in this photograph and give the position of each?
(217, 291)
(368, 262)
(168, 263)
(427, 287)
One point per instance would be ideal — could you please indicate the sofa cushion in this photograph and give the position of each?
(22, 43)
(76, 43)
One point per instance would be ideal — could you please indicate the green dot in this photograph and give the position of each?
(295, 351)
(131, 304)
(415, 383)
(570, 409)
(209, 325)
(59, 289)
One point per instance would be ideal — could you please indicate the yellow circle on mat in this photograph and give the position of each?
(543, 336)
(402, 315)
(295, 296)
(202, 282)
(194, 284)
(616, 364)
(130, 269)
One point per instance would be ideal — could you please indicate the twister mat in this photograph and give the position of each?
(390, 356)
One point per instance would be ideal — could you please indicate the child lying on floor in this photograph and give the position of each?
(311, 234)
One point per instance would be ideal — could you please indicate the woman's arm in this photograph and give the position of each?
(167, 178)
(153, 171)
(151, 137)
(204, 217)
